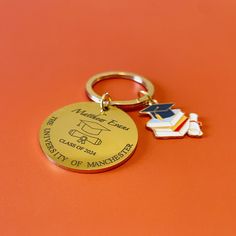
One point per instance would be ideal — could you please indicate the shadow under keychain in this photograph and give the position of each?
(92, 137)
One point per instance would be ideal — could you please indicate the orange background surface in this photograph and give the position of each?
(49, 49)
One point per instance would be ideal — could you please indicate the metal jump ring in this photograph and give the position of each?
(105, 102)
(123, 75)
(150, 100)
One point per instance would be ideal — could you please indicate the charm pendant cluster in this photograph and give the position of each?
(171, 123)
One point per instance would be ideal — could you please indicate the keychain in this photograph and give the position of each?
(96, 136)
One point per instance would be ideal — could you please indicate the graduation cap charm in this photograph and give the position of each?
(160, 111)
(171, 123)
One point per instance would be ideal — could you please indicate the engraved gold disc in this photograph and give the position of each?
(81, 138)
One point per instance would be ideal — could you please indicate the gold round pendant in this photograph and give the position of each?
(81, 138)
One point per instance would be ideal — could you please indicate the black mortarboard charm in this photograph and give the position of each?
(161, 110)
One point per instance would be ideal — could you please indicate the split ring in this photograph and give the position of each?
(128, 104)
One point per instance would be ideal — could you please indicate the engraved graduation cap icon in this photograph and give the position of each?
(159, 111)
(91, 127)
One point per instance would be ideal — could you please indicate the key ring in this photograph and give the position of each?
(123, 75)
